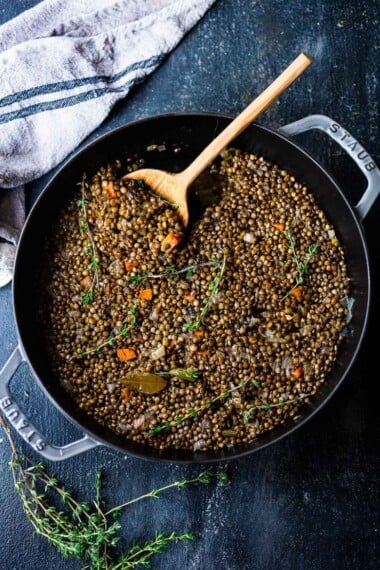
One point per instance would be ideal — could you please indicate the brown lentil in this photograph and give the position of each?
(253, 330)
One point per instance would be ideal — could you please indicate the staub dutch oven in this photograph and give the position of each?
(192, 132)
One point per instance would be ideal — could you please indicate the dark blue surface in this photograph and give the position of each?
(311, 501)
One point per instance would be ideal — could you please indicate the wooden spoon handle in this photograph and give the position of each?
(258, 105)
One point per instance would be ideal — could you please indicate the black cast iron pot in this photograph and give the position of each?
(192, 132)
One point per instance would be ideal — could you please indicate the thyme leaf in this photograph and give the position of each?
(88, 297)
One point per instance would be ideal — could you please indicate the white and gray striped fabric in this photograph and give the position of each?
(63, 65)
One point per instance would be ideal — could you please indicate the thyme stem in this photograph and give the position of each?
(154, 493)
(146, 551)
(208, 301)
(171, 271)
(92, 250)
(182, 373)
(194, 412)
(123, 332)
(266, 406)
(302, 267)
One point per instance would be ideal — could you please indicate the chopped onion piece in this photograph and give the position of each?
(286, 364)
(139, 422)
(331, 234)
(115, 268)
(154, 315)
(158, 353)
(249, 238)
(205, 424)
(67, 385)
(199, 444)
(272, 338)
(124, 427)
(350, 303)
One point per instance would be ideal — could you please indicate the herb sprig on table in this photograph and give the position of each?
(87, 531)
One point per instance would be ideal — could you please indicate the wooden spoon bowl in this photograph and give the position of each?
(174, 186)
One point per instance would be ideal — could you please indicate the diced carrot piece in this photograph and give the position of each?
(297, 293)
(298, 372)
(146, 294)
(189, 297)
(170, 242)
(126, 394)
(203, 352)
(139, 422)
(86, 282)
(129, 265)
(280, 227)
(125, 354)
(199, 333)
(110, 188)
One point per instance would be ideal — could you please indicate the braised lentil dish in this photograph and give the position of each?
(195, 342)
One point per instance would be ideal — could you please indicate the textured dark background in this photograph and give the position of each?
(309, 502)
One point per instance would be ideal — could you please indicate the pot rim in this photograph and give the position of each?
(152, 453)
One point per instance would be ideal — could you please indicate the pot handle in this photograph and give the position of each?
(353, 148)
(22, 425)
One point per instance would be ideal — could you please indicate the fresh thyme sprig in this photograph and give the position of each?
(83, 530)
(110, 341)
(90, 250)
(205, 477)
(267, 407)
(302, 267)
(140, 555)
(194, 412)
(88, 296)
(181, 373)
(210, 299)
(171, 272)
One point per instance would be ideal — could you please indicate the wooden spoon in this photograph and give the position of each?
(174, 186)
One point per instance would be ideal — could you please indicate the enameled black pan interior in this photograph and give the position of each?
(191, 133)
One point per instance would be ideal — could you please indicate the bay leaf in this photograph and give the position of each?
(144, 382)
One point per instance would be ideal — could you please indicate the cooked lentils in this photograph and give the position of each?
(273, 320)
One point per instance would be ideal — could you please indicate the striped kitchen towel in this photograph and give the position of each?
(63, 65)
